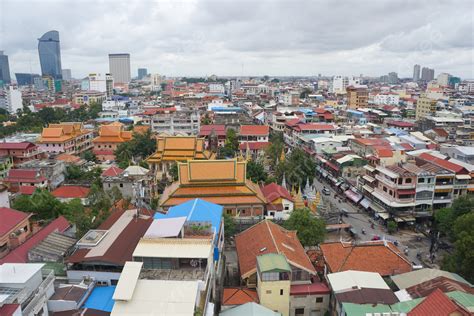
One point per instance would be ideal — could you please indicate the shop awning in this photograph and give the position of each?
(354, 196)
(369, 168)
(398, 219)
(367, 188)
(377, 208)
(368, 178)
(408, 218)
(365, 203)
(463, 177)
(383, 215)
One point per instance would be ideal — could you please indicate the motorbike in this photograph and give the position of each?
(363, 231)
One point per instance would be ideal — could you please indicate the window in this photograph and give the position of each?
(319, 299)
(421, 180)
(121, 185)
(299, 311)
(268, 291)
(281, 291)
(25, 228)
(408, 180)
(384, 189)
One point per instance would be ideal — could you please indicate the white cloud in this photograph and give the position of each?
(231, 37)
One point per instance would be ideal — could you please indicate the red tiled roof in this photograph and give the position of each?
(407, 146)
(401, 124)
(371, 257)
(440, 132)
(442, 283)
(439, 304)
(19, 145)
(254, 130)
(254, 145)
(20, 254)
(153, 111)
(309, 289)
(207, 129)
(383, 152)
(315, 126)
(27, 189)
(274, 191)
(293, 122)
(268, 237)
(238, 296)
(71, 192)
(372, 141)
(451, 166)
(23, 175)
(112, 172)
(10, 218)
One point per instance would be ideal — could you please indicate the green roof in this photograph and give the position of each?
(405, 307)
(362, 309)
(273, 262)
(465, 299)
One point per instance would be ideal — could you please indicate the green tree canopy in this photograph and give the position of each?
(462, 260)
(298, 167)
(229, 226)
(256, 172)
(311, 230)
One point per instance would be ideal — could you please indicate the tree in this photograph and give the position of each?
(298, 167)
(229, 226)
(462, 260)
(173, 172)
(310, 230)
(74, 172)
(445, 218)
(115, 194)
(392, 226)
(256, 172)
(275, 149)
(206, 120)
(89, 156)
(42, 203)
(231, 141)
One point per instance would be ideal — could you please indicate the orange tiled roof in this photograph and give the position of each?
(438, 303)
(179, 148)
(61, 132)
(268, 237)
(113, 133)
(216, 181)
(254, 130)
(238, 296)
(371, 257)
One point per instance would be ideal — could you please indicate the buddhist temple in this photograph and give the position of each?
(68, 137)
(110, 136)
(217, 181)
(171, 149)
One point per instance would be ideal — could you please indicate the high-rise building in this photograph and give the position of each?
(443, 79)
(392, 78)
(24, 79)
(66, 74)
(427, 74)
(425, 107)
(416, 73)
(50, 54)
(142, 72)
(357, 97)
(119, 67)
(4, 69)
(101, 83)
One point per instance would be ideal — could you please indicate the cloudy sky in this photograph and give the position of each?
(245, 37)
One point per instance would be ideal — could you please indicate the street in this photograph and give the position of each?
(360, 219)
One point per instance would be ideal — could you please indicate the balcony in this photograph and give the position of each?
(394, 184)
(36, 303)
(442, 199)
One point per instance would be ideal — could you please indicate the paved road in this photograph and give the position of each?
(361, 220)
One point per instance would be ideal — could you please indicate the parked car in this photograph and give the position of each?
(376, 237)
(326, 191)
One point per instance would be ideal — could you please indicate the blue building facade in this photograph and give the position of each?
(50, 54)
(4, 69)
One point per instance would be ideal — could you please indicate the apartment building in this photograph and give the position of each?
(110, 137)
(425, 107)
(357, 97)
(88, 97)
(20, 151)
(173, 122)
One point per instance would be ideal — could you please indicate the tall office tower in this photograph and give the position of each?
(416, 73)
(25, 79)
(119, 67)
(4, 69)
(392, 78)
(142, 72)
(66, 74)
(427, 74)
(50, 54)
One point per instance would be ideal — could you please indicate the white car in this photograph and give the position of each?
(326, 191)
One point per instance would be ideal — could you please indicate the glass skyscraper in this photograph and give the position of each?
(50, 54)
(4, 68)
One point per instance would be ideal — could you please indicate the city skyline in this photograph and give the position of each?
(251, 39)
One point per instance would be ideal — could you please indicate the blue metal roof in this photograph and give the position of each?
(196, 210)
(101, 298)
